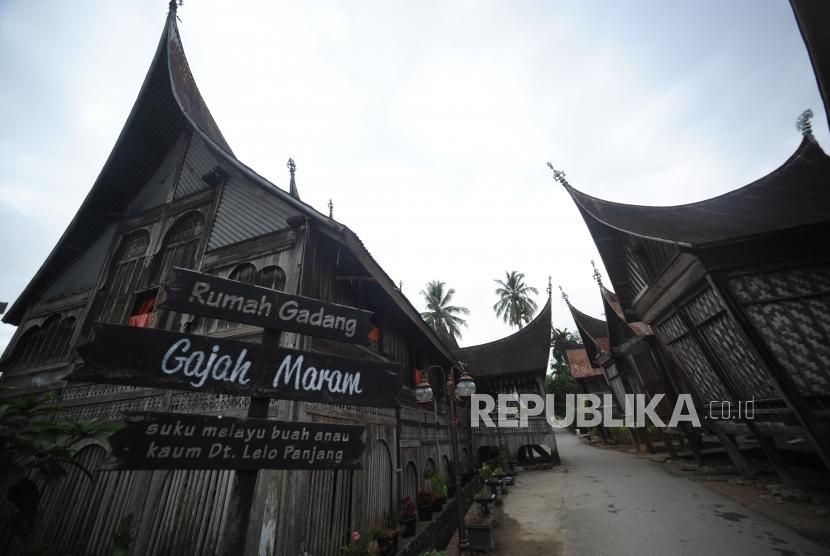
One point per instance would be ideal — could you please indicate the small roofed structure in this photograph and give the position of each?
(735, 288)
(595, 340)
(516, 364)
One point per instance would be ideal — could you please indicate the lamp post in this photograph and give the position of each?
(466, 387)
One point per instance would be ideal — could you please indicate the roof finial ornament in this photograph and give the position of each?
(803, 125)
(597, 275)
(564, 295)
(550, 286)
(400, 285)
(558, 175)
(174, 4)
(292, 188)
(331, 209)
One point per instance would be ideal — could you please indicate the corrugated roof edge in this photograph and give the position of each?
(584, 200)
(528, 329)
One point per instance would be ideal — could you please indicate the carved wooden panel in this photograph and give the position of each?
(791, 312)
(693, 363)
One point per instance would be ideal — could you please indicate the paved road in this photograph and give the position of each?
(615, 503)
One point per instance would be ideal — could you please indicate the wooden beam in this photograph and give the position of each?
(356, 278)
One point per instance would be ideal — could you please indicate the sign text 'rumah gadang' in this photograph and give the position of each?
(197, 293)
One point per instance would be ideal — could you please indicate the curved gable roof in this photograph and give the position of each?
(525, 351)
(168, 104)
(614, 311)
(594, 332)
(795, 195)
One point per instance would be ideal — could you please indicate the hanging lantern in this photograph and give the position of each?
(466, 386)
(423, 392)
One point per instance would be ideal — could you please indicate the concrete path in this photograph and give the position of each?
(608, 502)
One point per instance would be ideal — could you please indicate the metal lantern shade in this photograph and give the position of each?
(423, 392)
(466, 386)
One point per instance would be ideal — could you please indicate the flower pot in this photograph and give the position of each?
(424, 513)
(388, 546)
(480, 536)
(408, 526)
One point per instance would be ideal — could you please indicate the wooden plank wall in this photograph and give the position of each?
(184, 512)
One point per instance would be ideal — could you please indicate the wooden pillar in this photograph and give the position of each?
(780, 467)
(738, 459)
(243, 489)
(669, 443)
(693, 441)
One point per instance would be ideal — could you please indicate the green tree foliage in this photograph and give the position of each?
(515, 305)
(440, 315)
(32, 446)
(560, 382)
(558, 337)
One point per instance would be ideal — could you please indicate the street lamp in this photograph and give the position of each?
(466, 387)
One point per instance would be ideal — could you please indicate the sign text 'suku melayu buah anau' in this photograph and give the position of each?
(196, 293)
(161, 359)
(182, 441)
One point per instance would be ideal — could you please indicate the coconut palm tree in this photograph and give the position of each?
(515, 305)
(558, 337)
(440, 315)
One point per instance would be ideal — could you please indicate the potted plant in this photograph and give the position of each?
(385, 538)
(439, 487)
(426, 502)
(358, 545)
(484, 498)
(486, 472)
(480, 530)
(407, 520)
(488, 475)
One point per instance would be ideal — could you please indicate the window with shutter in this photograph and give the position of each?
(124, 277)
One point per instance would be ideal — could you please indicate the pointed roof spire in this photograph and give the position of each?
(550, 286)
(292, 188)
(558, 175)
(564, 295)
(597, 275)
(174, 4)
(331, 209)
(803, 125)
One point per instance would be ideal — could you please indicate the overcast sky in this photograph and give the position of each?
(428, 123)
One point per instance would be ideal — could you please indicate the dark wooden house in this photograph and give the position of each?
(172, 193)
(737, 290)
(516, 364)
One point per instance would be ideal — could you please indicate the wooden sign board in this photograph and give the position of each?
(195, 293)
(161, 359)
(182, 441)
